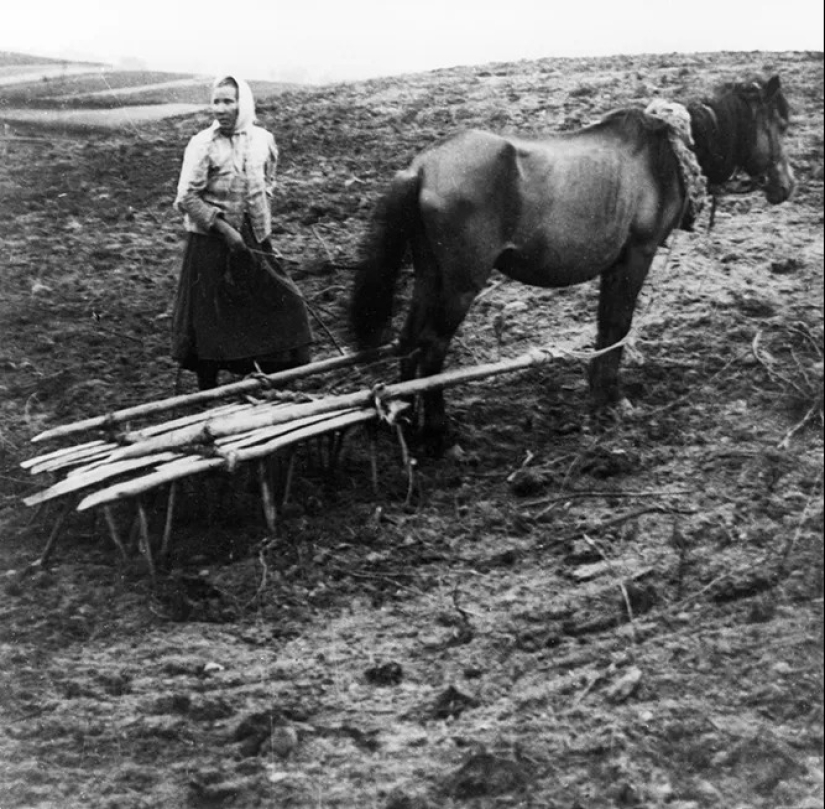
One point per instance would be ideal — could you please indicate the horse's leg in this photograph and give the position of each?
(408, 342)
(440, 301)
(456, 279)
(409, 347)
(448, 314)
(714, 202)
(452, 261)
(620, 286)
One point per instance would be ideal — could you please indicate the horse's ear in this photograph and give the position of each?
(772, 87)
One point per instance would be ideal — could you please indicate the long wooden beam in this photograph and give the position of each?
(243, 386)
(185, 467)
(101, 471)
(138, 443)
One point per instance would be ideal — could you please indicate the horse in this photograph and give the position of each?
(743, 127)
(553, 212)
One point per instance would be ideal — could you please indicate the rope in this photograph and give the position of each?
(277, 278)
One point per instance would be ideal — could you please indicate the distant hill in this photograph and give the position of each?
(10, 58)
(28, 81)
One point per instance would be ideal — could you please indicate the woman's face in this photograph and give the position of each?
(225, 107)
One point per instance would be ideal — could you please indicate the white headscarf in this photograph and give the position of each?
(246, 102)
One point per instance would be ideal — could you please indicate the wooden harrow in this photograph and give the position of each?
(123, 464)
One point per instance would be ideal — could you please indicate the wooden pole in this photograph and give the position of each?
(408, 461)
(270, 513)
(103, 469)
(53, 537)
(96, 475)
(245, 385)
(336, 449)
(145, 541)
(184, 467)
(290, 471)
(373, 440)
(114, 533)
(167, 528)
(93, 451)
(59, 453)
(266, 417)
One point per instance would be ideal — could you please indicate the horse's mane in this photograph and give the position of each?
(718, 122)
(750, 90)
(636, 127)
(632, 123)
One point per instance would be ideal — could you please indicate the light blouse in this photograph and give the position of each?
(229, 176)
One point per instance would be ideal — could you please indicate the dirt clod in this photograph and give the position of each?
(385, 674)
(484, 774)
(452, 703)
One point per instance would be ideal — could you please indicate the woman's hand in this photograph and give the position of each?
(231, 236)
(235, 241)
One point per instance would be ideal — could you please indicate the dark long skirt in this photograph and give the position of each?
(236, 309)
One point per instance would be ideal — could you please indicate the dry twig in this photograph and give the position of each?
(815, 497)
(619, 581)
(323, 244)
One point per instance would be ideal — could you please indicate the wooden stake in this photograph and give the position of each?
(114, 533)
(290, 470)
(408, 461)
(134, 534)
(336, 448)
(270, 514)
(167, 528)
(145, 544)
(373, 458)
(52, 540)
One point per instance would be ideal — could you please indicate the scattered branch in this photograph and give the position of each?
(815, 497)
(619, 581)
(323, 244)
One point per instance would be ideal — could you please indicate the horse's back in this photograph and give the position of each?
(468, 168)
(549, 212)
(469, 194)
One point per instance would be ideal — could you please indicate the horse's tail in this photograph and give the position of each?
(375, 278)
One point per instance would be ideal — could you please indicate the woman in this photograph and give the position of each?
(235, 304)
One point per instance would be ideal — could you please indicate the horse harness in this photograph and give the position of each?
(677, 118)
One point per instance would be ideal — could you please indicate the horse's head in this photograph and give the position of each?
(765, 158)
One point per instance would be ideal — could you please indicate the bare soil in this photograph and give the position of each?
(570, 612)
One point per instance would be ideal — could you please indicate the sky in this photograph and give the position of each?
(336, 40)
